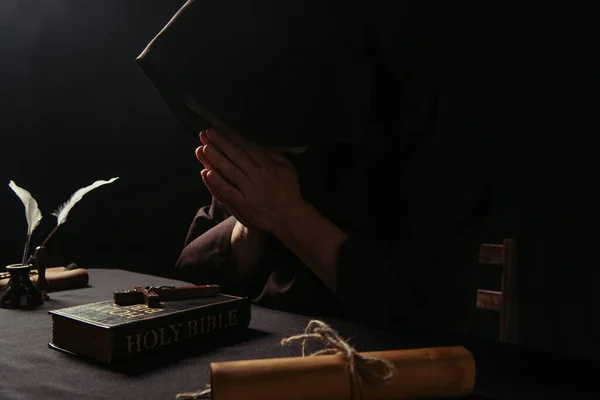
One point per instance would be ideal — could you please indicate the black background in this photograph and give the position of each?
(74, 108)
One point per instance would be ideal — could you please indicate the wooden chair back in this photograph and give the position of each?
(505, 300)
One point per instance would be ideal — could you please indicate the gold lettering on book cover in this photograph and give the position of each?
(176, 329)
(163, 341)
(150, 339)
(133, 311)
(164, 336)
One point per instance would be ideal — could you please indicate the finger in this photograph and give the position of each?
(236, 149)
(256, 152)
(215, 192)
(202, 158)
(217, 195)
(227, 169)
(203, 137)
(222, 189)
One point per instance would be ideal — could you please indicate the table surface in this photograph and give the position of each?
(30, 369)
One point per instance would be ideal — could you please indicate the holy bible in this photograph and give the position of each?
(107, 332)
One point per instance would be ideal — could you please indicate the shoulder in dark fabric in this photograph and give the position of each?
(282, 73)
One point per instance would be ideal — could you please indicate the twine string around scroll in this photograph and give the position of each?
(200, 394)
(360, 367)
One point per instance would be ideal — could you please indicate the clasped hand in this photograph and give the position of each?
(257, 185)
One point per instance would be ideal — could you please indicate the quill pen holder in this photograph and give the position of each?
(20, 292)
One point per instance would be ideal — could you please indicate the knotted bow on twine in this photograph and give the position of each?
(360, 367)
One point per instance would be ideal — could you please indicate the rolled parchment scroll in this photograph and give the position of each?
(59, 278)
(439, 372)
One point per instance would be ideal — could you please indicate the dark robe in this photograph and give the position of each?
(414, 207)
(392, 162)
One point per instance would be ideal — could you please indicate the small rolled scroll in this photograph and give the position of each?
(59, 278)
(439, 372)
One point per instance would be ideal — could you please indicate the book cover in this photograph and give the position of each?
(305, 66)
(108, 332)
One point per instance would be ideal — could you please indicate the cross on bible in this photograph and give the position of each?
(153, 295)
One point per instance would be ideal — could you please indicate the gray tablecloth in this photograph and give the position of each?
(29, 369)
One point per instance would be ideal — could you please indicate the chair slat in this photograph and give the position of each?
(489, 300)
(491, 254)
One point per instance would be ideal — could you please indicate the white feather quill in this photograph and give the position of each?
(32, 212)
(63, 211)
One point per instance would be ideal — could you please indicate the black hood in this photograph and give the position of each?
(282, 73)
